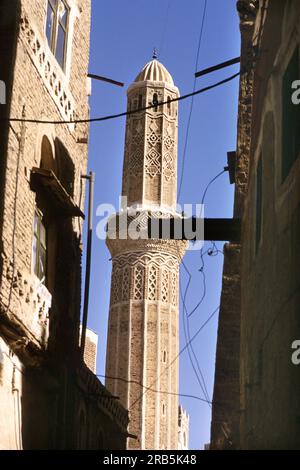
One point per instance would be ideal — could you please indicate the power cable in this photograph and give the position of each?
(190, 349)
(149, 389)
(125, 113)
(211, 252)
(186, 316)
(187, 335)
(210, 183)
(192, 102)
(201, 269)
(204, 278)
(209, 402)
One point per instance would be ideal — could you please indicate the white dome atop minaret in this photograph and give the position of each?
(154, 71)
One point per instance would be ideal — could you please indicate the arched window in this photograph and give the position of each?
(66, 168)
(41, 219)
(47, 157)
(163, 409)
(135, 104)
(140, 101)
(155, 102)
(54, 243)
(169, 106)
(164, 356)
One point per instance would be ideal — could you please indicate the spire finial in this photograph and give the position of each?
(155, 54)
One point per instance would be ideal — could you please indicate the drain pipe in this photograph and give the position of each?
(17, 412)
(91, 180)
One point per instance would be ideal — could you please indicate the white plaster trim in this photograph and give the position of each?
(53, 77)
(73, 15)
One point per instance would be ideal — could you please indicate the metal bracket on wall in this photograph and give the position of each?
(214, 229)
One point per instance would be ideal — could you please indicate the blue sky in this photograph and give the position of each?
(123, 36)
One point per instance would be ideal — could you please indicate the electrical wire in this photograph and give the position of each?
(187, 334)
(215, 250)
(210, 252)
(186, 325)
(125, 113)
(209, 402)
(191, 352)
(209, 184)
(192, 102)
(202, 270)
(202, 267)
(149, 389)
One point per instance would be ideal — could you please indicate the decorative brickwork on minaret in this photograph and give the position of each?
(143, 321)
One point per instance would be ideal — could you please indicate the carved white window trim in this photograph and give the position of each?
(55, 80)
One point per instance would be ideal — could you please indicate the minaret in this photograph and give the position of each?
(143, 319)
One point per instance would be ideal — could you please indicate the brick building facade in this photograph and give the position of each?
(256, 393)
(49, 399)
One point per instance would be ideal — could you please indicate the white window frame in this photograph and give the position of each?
(73, 14)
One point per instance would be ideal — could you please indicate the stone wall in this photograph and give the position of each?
(39, 319)
(11, 371)
(37, 98)
(260, 296)
(226, 406)
(270, 287)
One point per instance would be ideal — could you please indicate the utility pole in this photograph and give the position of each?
(91, 180)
